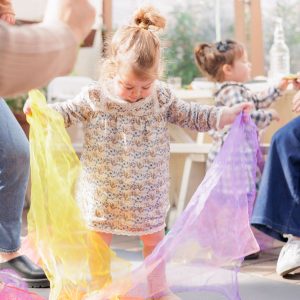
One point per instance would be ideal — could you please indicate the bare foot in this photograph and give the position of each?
(169, 296)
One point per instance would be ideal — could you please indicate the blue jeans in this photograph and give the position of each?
(277, 207)
(14, 172)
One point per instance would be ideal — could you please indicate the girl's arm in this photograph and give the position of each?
(202, 117)
(235, 94)
(192, 115)
(265, 98)
(261, 118)
(79, 109)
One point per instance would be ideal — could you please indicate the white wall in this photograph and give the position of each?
(29, 10)
(88, 58)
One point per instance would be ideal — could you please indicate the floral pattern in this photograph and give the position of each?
(124, 184)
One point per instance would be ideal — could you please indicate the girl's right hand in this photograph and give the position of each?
(283, 84)
(290, 79)
(27, 107)
(230, 113)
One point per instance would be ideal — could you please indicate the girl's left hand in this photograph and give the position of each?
(283, 84)
(27, 107)
(230, 113)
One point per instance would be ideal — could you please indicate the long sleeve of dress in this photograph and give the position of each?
(193, 115)
(79, 109)
(31, 55)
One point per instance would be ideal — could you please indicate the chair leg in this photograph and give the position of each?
(184, 185)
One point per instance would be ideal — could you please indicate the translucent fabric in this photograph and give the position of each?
(203, 250)
(205, 247)
(13, 288)
(76, 260)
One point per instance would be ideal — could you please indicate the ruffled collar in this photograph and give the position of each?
(110, 102)
(108, 87)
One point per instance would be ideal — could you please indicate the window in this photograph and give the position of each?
(192, 21)
(188, 22)
(289, 11)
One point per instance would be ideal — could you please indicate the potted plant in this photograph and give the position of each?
(16, 105)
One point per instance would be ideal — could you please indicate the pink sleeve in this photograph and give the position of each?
(31, 55)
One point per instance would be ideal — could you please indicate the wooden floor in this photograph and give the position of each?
(257, 279)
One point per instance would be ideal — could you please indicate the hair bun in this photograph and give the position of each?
(149, 18)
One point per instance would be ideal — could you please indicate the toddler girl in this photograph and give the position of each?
(123, 187)
(227, 64)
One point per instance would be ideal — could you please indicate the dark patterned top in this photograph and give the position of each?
(123, 187)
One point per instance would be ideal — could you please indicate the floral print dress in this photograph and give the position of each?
(124, 184)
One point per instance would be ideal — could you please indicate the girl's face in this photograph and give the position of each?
(131, 88)
(240, 71)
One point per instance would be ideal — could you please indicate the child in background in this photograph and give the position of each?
(6, 12)
(227, 63)
(124, 185)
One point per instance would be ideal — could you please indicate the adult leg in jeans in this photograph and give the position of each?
(277, 207)
(14, 172)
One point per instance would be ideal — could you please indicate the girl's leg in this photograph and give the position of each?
(157, 278)
(150, 241)
(106, 237)
(100, 266)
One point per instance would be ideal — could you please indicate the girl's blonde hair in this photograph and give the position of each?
(211, 58)
(137, 46)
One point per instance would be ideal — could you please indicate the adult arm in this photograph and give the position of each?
(32, 55)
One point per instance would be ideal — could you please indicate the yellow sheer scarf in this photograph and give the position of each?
(76, 260)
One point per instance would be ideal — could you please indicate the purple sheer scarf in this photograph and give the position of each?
(13, 288)
(205, 247)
